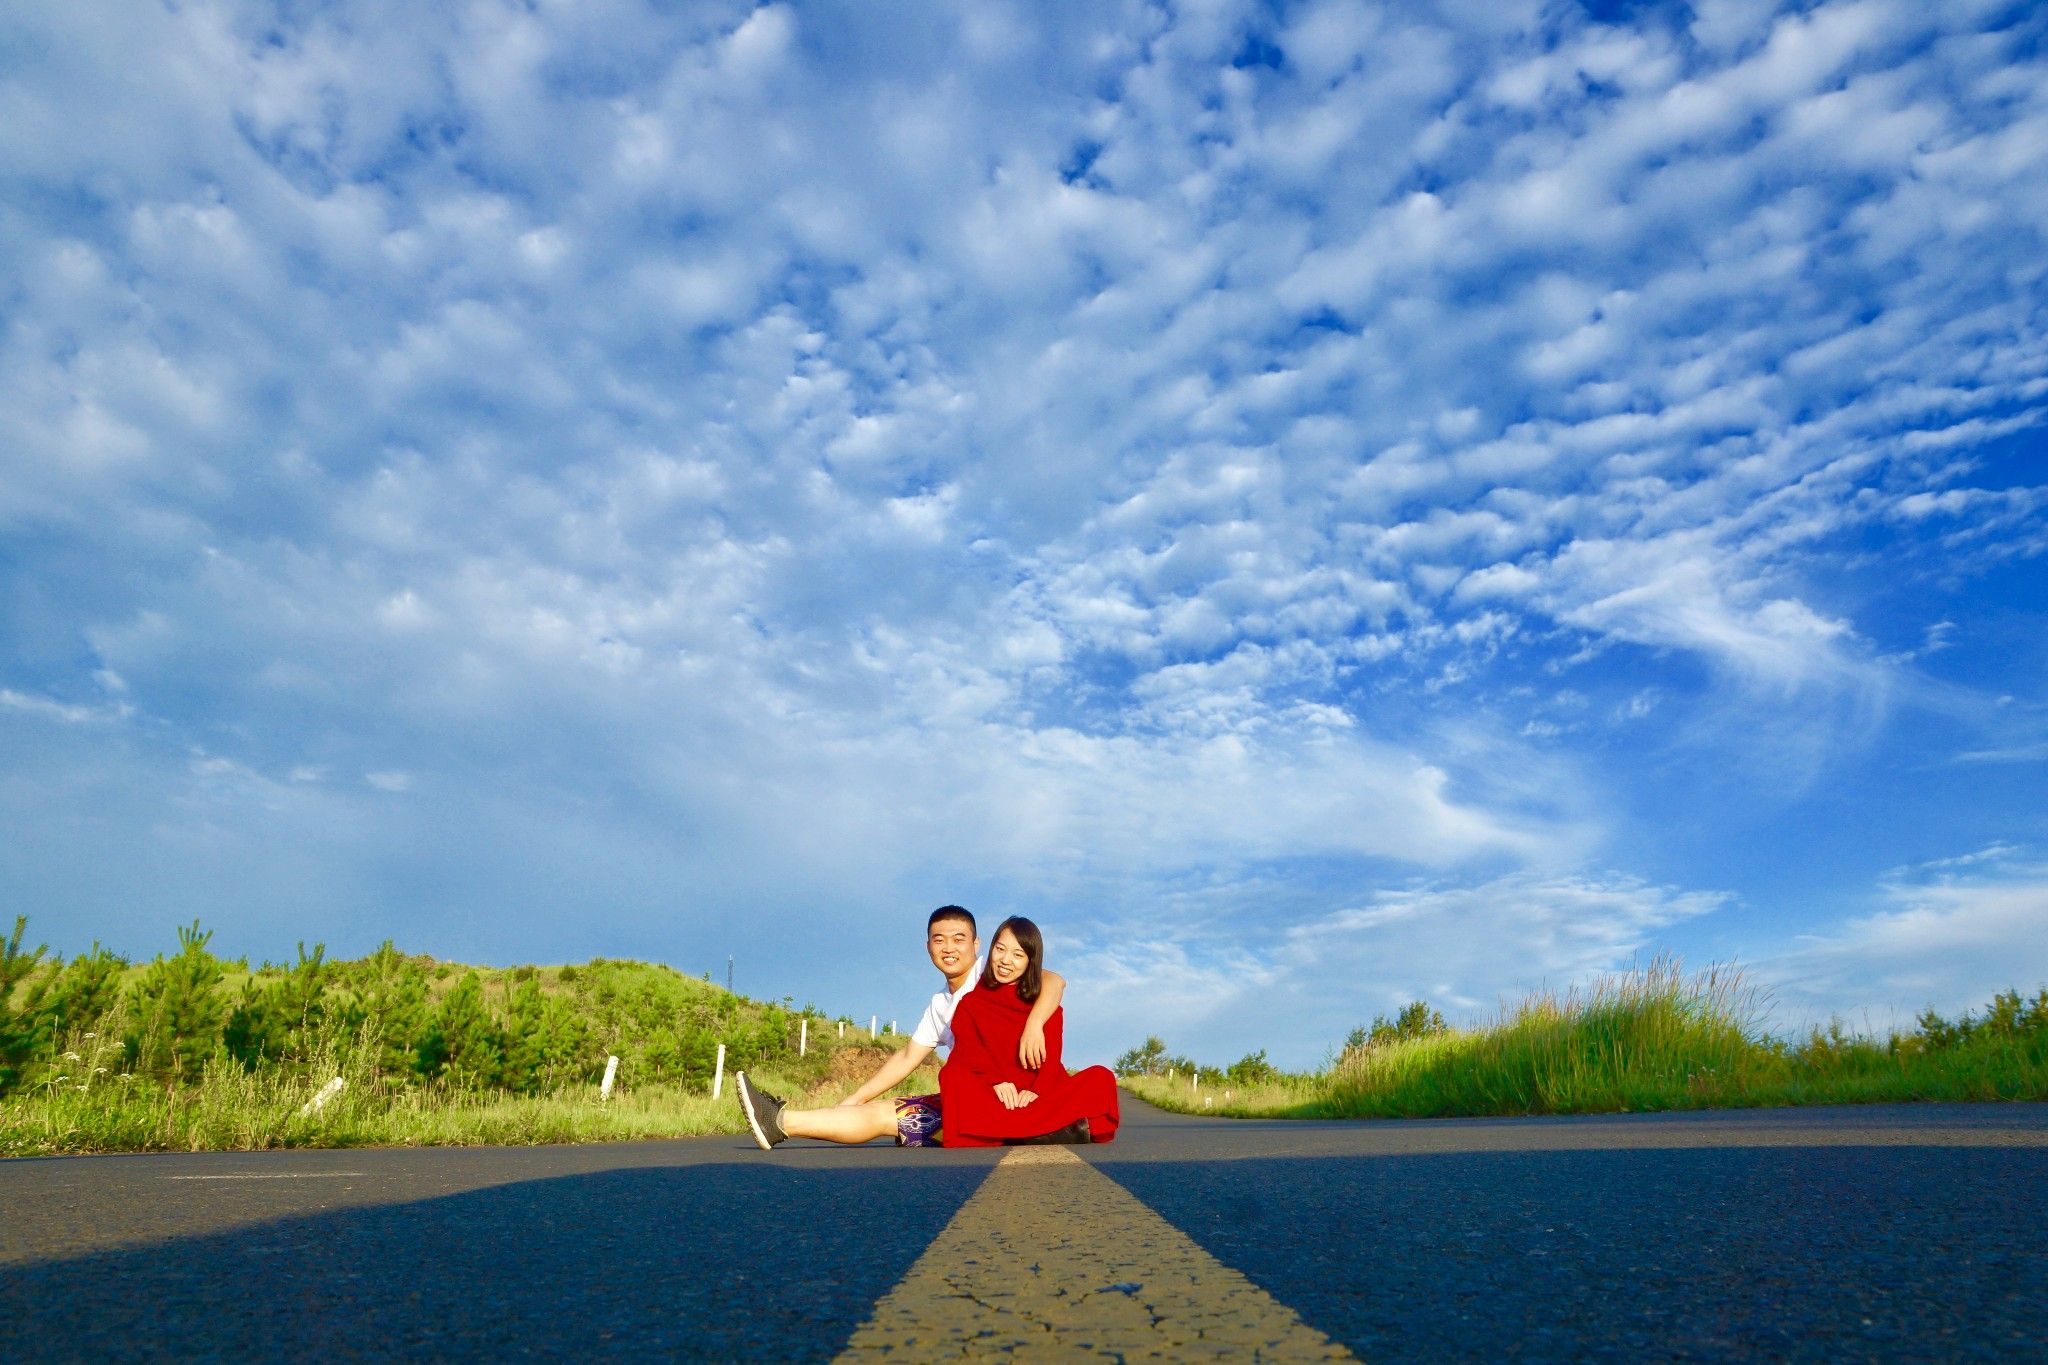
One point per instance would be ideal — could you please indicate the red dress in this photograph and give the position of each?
(987, 1025)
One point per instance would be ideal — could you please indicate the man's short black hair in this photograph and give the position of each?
(953, 912)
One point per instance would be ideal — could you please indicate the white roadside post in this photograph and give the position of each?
(872, 1021)
(803, 1037)
(842, 1028)
(718, 1076)
(611, 1073)
(892, 1028)
(319, 1101)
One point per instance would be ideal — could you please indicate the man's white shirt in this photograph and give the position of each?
(935, 1029)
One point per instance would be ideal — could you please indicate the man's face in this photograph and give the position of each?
(953, 946)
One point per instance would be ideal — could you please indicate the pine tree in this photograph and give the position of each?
(84, 992)
(254, 1032)
(463, 1045)
(388, 1002)
(566, 1042)
(280, 1020)
(301, 998)
(23, 1023)
(177, 1012)
(526, 1059)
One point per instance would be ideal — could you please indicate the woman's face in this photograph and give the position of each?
(1007, 958)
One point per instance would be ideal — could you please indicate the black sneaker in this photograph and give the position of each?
(1074, 1134)
(763, 1111)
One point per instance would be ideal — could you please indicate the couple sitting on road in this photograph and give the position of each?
(1000, 1023)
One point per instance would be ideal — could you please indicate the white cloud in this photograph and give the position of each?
(68, 713)
(1465, 947)
(2016, 753)
(1955, 932)
(883, 449)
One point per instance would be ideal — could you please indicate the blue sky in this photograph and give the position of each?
(1320, 505)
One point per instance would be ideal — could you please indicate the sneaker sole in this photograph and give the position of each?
(746, 1093)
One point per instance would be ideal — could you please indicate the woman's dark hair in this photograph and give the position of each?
(1033, 943)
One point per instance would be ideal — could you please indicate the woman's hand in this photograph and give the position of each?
(1007, 1093)
(1031, 1048)
(1025, 1097)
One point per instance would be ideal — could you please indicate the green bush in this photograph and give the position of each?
(192, 1050)
(523, 1031)
(176, 1010)
(1151, 1058)
(1415, 1020)
(1654, 1038)
(279, 1019)
(84, 991)
(23, 1023)
(462, 1045)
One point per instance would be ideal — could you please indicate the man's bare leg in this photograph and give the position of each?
(844, 1122)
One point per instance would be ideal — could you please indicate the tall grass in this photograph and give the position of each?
(192, 1051)
(1654, 1038)
(230, 1108)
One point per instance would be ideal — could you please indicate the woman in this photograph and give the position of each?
(989, 1096)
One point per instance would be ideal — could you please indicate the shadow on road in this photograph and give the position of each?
(1784, 1252)
(703, 1261)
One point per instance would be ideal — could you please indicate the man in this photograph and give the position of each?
(913, 1120)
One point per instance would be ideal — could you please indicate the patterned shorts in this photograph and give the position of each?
(917, 1121)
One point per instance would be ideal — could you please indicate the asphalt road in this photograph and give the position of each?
(1889, 1233)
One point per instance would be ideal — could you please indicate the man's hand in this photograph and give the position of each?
(1031, 1049)
(1007, 1093)
(889, 1073)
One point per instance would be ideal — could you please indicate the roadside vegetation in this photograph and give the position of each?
(190, 1051)
(193, 1052)
(1654, 1038)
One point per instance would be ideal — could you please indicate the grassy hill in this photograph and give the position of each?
(190, 1051)
(1650, 1039)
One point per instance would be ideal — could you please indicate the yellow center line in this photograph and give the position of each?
(1051, 1258)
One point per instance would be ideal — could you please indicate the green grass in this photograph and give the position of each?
(195, 1052)
(231, 1108)
(1653, 1039)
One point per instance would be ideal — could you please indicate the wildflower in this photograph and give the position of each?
(73, 1057)
(90, 1036)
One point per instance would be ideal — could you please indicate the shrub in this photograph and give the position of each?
(462, 1044)
(280, 1020)
(23, 1025)
(176, 1010)
(2008, 1017)
(1415, 1020)
(1152, 1059)
(84, 992)
(383, 1000)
